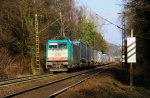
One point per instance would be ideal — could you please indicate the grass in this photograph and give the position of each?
(111, 84)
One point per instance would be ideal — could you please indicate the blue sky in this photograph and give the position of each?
(107, 9)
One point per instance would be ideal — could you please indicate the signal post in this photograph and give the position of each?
(131, 55)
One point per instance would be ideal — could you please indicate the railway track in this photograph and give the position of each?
(23, 79)
(53, 88)
(68, 87)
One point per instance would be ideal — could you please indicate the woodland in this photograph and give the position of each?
(57, 19)
(137, 13)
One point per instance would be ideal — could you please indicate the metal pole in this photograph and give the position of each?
(131, 76)
(122, 43)
(125, 40)
(131, 68)
(62, 25)
(37, 43)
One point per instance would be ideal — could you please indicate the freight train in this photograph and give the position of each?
(62, 55)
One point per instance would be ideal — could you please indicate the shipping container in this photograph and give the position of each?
(99, 57)
(105, 59)
(83, 48)
(95, 56)
(75, 54)
(88, 54)
(91, 56)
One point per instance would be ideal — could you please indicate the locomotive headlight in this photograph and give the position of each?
(49, 63)
(65, 63)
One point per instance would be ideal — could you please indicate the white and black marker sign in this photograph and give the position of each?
(131, 50)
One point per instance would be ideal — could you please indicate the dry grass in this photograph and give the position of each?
(105, 86)
(12, 67)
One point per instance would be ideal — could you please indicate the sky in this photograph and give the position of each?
(108, 9)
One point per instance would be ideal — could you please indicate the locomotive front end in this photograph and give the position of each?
(57, 55)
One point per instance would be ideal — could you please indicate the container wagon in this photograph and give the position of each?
(91, 56)
(100, 55)
(105, 59)
(83, 52)
(88, 55)
(95, 57)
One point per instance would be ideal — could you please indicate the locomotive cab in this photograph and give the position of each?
(57, 55)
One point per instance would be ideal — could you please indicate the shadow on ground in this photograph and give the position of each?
(123, 76)
(100, 92)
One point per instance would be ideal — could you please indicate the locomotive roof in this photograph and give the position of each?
(65, 40)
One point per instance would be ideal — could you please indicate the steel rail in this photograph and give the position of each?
(17, 78)
(23, 79)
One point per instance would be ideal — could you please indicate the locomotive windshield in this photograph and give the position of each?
(62, 45)
(53, 45)
(58, 45)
